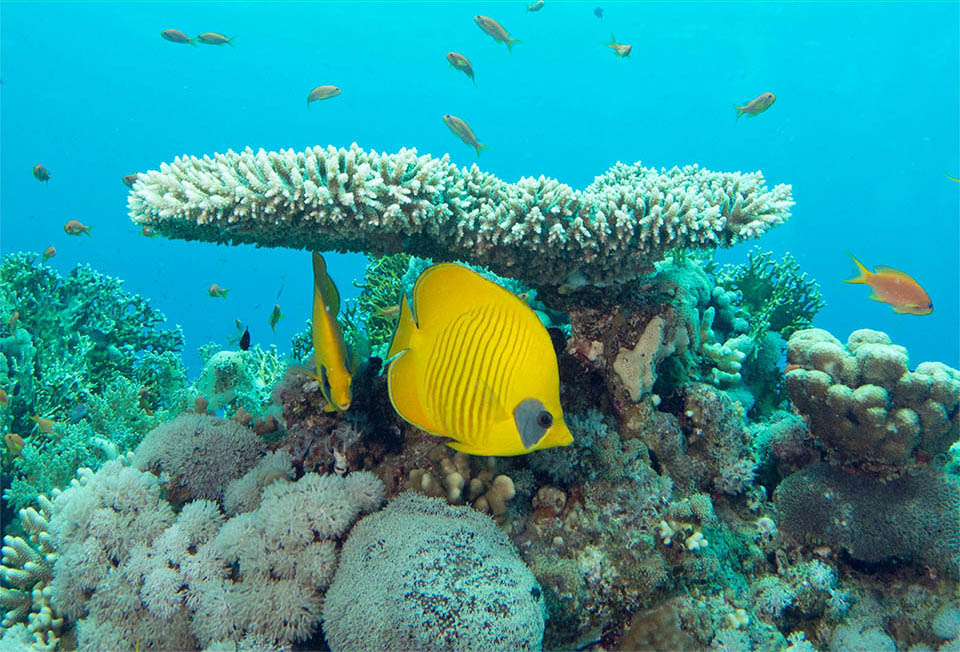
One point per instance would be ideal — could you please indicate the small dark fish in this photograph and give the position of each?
(176, 36)
(275, 316)
(213, 38)
(598, 12)
(322, 93)
(41, 173)
(128, 180)
(49, 253)
(245, 339)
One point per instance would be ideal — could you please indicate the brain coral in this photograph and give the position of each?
(911, 518)
(537, 230)
(422, 575)
(865, 406)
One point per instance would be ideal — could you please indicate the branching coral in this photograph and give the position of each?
(231, 380)
(380, 292)
(776, 296)
(538, 230)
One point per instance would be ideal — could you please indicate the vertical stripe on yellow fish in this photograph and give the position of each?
(472, 362)
(329, 350)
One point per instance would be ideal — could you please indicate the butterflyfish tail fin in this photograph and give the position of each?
(861, 273)
(324, 286)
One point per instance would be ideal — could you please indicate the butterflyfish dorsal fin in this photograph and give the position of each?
(324, 285)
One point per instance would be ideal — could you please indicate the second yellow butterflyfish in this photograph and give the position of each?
(472, 362)
(329, 350)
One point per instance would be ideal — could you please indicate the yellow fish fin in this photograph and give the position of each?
(469, 449)
(863, 274)
(873, 295)
(324, 285)
(434, 303)
(883, 269)
(405, 331)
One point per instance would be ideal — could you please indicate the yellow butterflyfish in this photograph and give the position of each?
(473, 363)
(329, 350)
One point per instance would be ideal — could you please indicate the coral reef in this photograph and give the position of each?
(380, 292)
(423, 575)
(537, 230)
(865, 407)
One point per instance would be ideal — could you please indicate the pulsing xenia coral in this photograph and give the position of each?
(538, 230)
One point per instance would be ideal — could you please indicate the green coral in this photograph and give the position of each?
(381, 288)
(776, 295)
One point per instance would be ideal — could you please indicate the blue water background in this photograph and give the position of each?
(864, 127)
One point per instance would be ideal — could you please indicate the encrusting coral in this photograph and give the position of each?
(537, 230)
(864, 405)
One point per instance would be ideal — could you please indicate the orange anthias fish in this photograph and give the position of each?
(129, 179)
(462, 64)
(322, 93)
(329, 349)
(463, 132)
(49, 252)
(496, 31)
(894, 287)
(41, 173)
(76, 227)
(620, 49)
(14, 443)
(44, 425)
(176, 36)
(756, 106)
(4, 399)
(217, 291)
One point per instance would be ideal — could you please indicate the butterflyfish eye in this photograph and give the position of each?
(532, 421)
(544, 419)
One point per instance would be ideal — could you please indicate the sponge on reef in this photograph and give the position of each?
(423, 575)
(538, 230)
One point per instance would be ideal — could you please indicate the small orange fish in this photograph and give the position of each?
(462, 64)
(129, 179)
(4, 399)
(44, 425)
(14, 443)
(49, 252)
(756, 106)
(495, 30)
(216, 291)
(41, 173)
(463, 131)
(322, 93)
(149, 231)
(12, 322)
(390, 313)
(620, 49)
(213, 38)
(76, 227)
(894, 287)
(176, 36)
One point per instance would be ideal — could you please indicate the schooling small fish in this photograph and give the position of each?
(461, 63)
(129, 179)
(76, 227)
(322, 93)
(620, 49)
(217, 291)
(275, 316)
(176, 36)
(213, 38)
(14, 443)
(598, 12)
(245, 339)
(41, 173)
(472, 362)
(49, 253)
(535, 6)
(894, 287)
(329, 349)
(756, 106)
(463, 131)
(495, 30)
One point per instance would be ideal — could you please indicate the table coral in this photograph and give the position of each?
(538, 230)
(865, 406)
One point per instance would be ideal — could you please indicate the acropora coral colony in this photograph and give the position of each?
(713, 497)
